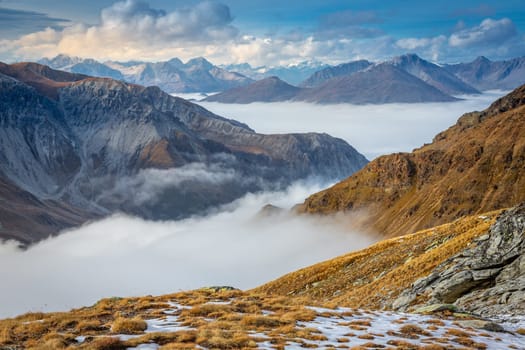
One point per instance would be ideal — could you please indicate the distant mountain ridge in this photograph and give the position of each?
(196, 75)
(485, 74)
(403, 79)
(72, 147)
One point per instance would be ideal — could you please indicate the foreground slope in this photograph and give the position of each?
(475, 166)
(305, 309)
(475, 263)
(84, 141)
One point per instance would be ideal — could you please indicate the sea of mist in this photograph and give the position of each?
(234, 245)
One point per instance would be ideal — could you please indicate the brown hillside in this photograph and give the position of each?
(374, 277)
(477, 165)
(44, 79)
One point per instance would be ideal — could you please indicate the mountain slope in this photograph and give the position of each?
(323, 75)
(270, 89)
(27, 219)
(484, 74)
(433, 75)
(377, 84)
(475, 166)
(475, 263)
(83, 142)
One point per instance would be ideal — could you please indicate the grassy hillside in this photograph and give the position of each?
(375, 276)
(477, 165)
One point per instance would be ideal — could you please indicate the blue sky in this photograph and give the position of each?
(262, 32)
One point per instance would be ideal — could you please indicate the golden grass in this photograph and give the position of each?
(134, 325)
(375, 276)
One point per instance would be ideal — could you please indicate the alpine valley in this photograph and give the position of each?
(194, 175)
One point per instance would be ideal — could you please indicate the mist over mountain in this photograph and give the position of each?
(83, 143)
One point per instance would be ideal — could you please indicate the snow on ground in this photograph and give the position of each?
(345, 328)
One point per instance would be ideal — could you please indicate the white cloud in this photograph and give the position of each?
(372, 129)
(489, 33)
(131, 29)
(149, 184)
(122, 255)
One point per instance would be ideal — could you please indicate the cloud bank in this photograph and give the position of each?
(372, 129)
(133, 29)
(122, 255)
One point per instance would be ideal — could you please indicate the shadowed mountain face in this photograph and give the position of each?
(266, 90)
(475, 166)
(381, 83)
(96, 145)
(377, 84)
(484, 74)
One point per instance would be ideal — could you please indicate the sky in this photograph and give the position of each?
(260, 32)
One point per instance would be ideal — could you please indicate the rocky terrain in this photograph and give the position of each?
(475, 166)
(486, 279)
(82, 142)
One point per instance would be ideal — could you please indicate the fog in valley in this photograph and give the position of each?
(372, 129)
(234, 245)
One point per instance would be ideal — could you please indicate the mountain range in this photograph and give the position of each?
(71, 147)
(404, 79)
(196, 75)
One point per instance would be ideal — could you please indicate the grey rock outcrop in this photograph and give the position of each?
(487, 279)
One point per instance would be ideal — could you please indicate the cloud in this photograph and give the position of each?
(489, 33)
(14, 23)
(131, 29)
(427, 47)
(372, 129)
(148, 184)
(122, 255)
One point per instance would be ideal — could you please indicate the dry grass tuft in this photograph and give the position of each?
(134, 325)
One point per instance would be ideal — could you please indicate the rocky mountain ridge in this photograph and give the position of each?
(83, 142)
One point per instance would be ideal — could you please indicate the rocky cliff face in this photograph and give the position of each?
(487, 278)
(475, 166)
(103, 145)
